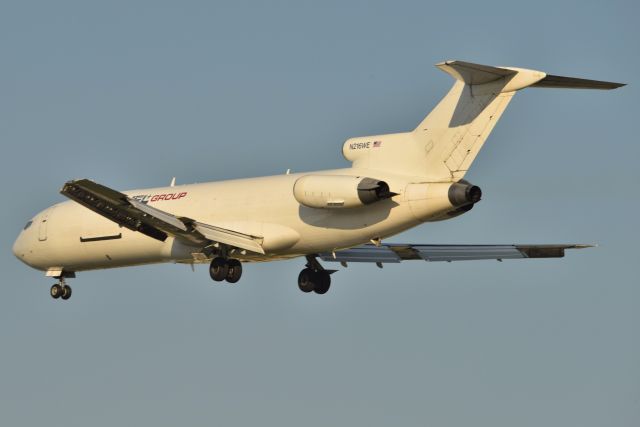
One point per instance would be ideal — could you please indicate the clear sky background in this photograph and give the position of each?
(132, 93)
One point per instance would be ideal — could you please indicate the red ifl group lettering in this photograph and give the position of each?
(146, 198)
(168, 196)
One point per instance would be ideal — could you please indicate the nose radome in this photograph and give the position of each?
(22, 245)
(18, 247)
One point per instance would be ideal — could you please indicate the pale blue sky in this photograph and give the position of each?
(133, 93)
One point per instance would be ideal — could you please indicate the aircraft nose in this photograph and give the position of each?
(19, 248)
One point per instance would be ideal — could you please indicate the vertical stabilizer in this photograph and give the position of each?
(445, 143)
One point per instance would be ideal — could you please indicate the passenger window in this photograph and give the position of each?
(28, 225)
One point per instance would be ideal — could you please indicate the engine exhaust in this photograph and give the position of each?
(463, 193)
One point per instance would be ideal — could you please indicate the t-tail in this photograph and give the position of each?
(444, 145)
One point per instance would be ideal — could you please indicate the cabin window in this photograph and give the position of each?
(27, 225)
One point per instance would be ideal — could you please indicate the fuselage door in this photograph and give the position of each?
(42, 226)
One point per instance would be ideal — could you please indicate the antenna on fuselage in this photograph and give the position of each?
(173, 182)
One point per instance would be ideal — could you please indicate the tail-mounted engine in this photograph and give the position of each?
(339, 191)
(438, 201)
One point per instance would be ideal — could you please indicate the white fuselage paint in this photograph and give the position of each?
(73, 238)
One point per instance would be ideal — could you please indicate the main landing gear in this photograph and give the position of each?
(225, 269)
(60, 290)
(314, 277)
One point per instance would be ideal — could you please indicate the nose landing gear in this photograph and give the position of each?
(60, 290)
(225, 269)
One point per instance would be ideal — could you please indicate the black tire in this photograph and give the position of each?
(306, 280)
(66, 293)
(235, 270)
(219, 269)
(55, 291)
(323, 282)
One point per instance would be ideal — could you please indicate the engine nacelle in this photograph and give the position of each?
(438, 201)
(339, 191)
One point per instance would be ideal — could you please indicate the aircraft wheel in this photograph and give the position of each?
(234, 270)
(219, 269)
(56, 291)
(66, 292)
(323, 282)
(306, 280)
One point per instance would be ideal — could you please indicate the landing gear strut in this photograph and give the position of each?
(314, 277)
(225, 269)
(60, 290)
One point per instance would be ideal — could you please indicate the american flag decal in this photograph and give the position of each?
(377, 144)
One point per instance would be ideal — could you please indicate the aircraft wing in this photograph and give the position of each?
(395, 253)
(137, 216)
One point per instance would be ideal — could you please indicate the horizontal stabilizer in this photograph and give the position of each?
(474, 74)
(517, 78)
(561, 82)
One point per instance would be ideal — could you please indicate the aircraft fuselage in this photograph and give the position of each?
(69, 236)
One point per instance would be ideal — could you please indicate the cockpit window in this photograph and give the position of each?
(28, 225)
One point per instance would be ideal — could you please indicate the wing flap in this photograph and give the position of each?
(230, 237)
(467, 252)
(365, 253)
(402, 252)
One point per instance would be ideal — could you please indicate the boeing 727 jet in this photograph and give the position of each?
(395, 182)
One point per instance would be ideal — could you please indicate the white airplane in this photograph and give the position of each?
(396, 182)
